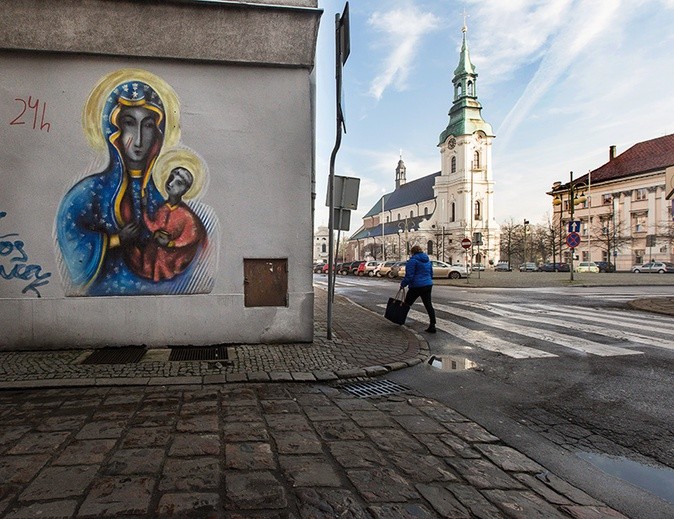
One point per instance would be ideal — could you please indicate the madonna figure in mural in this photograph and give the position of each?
(116, 230)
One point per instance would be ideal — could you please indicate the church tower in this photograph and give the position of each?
(465, 189)
(400, 173)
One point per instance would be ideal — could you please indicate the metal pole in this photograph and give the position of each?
(331, 182)
(383, 243)
(572, 203)
(615, 248)
(589, 216)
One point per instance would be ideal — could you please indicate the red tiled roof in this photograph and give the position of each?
(643, 157)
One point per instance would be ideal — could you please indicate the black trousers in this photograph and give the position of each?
(425, 293)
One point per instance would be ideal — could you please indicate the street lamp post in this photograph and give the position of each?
(573, 200)
(383, 234)
(400, 231)
(526, 222)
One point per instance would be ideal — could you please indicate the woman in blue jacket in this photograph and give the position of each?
(419, 279)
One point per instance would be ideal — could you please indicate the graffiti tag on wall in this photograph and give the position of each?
(135, 228)
(28, 106)
(14, 263)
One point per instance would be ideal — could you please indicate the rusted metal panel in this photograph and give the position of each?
(265, 282)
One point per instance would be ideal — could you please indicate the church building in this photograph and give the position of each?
(439, 210)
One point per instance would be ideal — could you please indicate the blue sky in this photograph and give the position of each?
(559, 81)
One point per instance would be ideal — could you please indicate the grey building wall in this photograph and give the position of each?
(242, 74)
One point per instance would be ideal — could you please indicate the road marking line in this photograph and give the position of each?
(574, 343)
(610, 317)
(515, 311)
(483, 339)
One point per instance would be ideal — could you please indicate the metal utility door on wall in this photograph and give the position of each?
(265, 282)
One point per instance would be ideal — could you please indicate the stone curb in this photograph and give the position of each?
(361, 372)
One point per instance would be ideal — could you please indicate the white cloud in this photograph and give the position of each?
(401, 31)
(513, 34)
(588, 21)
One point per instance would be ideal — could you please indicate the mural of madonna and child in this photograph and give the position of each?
(134, 228)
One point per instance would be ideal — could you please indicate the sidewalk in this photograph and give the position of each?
(182, 440)
(363, 345)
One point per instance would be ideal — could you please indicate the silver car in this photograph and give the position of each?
(445, 270)
(659, 267)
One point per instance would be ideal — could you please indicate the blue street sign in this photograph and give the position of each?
(573, 239)
(573, 227)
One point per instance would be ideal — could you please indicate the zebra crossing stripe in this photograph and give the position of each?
(642, 322)
(482, 339)
(571, 342)
(524, 312)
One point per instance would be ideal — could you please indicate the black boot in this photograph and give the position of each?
(431, 329)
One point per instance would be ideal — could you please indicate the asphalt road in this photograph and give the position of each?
(566, 373)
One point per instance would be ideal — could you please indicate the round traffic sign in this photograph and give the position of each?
(466, 243)
(573, 239)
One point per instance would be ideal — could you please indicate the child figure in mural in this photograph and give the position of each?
(102, 224)
(177, 232)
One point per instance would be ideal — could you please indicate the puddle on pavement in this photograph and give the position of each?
(450, 363)
(656, 480)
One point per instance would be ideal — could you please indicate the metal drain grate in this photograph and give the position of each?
(373, 388)
(206, 353)
(130, 355)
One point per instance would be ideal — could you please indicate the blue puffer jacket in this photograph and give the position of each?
(418, 271)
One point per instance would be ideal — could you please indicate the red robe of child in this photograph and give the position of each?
(186, 235)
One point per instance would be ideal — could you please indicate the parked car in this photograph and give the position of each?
(502, 266)
(555, 267)
(477, 266)
(445, 270)
(335, 267)
(659, 267)
(343, 268)
(605, 266)
(367, 268)
(348, 267)
(528, 267)
(397, 270)
(383, 269)
(354, 267)
(318, 267)
(587, 266)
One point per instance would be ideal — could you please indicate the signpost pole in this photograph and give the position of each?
(572, 202)
(342, 47)
(466, 244)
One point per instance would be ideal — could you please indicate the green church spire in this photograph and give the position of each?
(465, 66)
(465, 116)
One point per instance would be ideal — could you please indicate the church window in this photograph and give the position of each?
(478, 210)
(470, 88)
(640, 194)
(323, 249)
(425, 211)
(398, 216)
(411, 214)
(476, 160)
(453, 166)
(453, 211)
(429, 247)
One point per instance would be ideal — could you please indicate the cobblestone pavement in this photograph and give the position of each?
(282, 450)
(182, 440)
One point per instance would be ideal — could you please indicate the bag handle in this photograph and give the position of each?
(402, 289)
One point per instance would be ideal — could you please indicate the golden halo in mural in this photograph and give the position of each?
(93, 108)
(179, 157)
